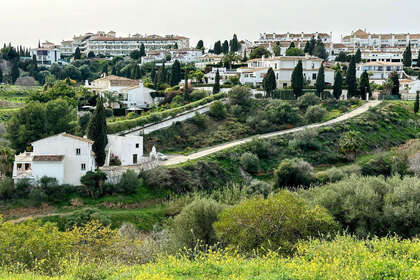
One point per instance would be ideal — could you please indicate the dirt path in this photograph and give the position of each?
(176, 159)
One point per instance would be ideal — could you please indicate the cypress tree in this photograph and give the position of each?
(142, 50)
(97, 132)
(176, 73)
(186, 96)
(14, 73)
(407, 59)
(338, 85)
(320, 80)
(234, 46)
(216, 86)
(39, 43)
(416, 104)
(244, 58)
(225, 47)
(217, 47)
(269, 82)
(176, 46)
(312, 45)
(395, 80)
(77, 54)
(297, 80)
(358, 56)
(307, 48)
(200, 45)
(418, 59)
(135, 73)
(1, 76)
(292, 45)
(154, 77)
(351, 79)
(162, 74)
(364, 85)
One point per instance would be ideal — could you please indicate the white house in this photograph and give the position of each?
(224, 74)
(283, 67)
(64, 157)
(47, 54)
(110, 83)
(137, 97)
(127, 149)
(414, 87)
(379, 70)
(186, 55)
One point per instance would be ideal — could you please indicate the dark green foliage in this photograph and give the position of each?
(7, 188)
(200, 45)
(217, 47)
(269, 82)
(200, 120)
(91, 54)
(358, 56)
(142, 50)
(128, 183)
(77, 54)
(342, 57)
(297, 79)
(97, 132)
(280, 112)
(257, 187)
(135, 54)
(338, 85)
(259, 52)
(351, 79)
(93, 183)
(315, 114)
(240, 96)
(14, 72)
(293, 173)
(218, 110)
(216, 86)
(320, 80)
(407, 56)
(225, 47)
(292, 45)
(1, 76)
(136, 72)
(294, 52)
(176, 73)
(386, 164)
(396, 82)
(364, 86)
(82, 217)
(416, 104)
(250, 162)
(320, 50)
(307, 48)
(234, 44)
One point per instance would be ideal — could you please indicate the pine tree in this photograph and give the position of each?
(351, 79)
(200, 45)
(416, 104)
(395, 80)
(364, 86)
(407, 59)
(97, 132)
(216, 87)
(297, 80)
(176, 73)
(338, 85)
(77, 54)
(292, 45)
(307, 48)
(358, 56)
(14, 73)
(225, 47)
(269, 82)
(217, 47)
(142, 50)
(320, 80)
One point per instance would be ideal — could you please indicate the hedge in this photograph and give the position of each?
(123, 125)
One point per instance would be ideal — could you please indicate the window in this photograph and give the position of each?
(77, 152)
(137, 145)
(83, 166)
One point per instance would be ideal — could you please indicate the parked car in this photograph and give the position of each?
(161, 156)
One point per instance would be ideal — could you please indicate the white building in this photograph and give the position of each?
(414, 87)
(127, 149)
(224, 75)
(206, 59)
(186, 55)
(363, 39)
(283, 67)
(110, 83)
(154, 56)
(47, 54)
(379, 71)
(138, 97)
(64, 157)
(291, 37)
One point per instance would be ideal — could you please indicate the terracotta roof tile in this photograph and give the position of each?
(48, 158)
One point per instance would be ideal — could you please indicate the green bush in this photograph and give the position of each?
(84, 216)
(293, 172)
(128, 183)
(198, 94)
(200, 120)
(218, 110)
(331, 175)
(241, 96)
(283, 94)
(6, 188)
(308, 99)
(369, 206)
(257, 187)
(194, 225)
(282, 112)
(250, 162)
(315, 114)
(276, 223)
(386, 164)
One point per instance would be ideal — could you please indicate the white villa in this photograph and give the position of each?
(127, 149)
(379, 70)
(291, 37)
(283, 67)
(206, 59)
(138, 97)
(64, 157)
(47, 54)
(224, 75)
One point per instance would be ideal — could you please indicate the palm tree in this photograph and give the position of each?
(111, 97)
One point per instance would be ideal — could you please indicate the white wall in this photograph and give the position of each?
(124, 147)
(53, 169)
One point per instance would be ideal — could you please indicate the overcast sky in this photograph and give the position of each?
(27, 21)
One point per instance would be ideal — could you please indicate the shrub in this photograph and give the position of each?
(93, 183)
(250, 162)
(84, 216)
(281, 112)
(198, 94)
(349, 144)
(331, 175)
(308, 99)
(261, 147)
(386, 164)
(22, 188)
(241, 96)
(305, 140)
(6, 188)
(195, 223)
(276, 223)
(128, 183)
(315, 114)
(257, 187)
(372, 205)
(293, 173)
(218, 110)
(200, 120)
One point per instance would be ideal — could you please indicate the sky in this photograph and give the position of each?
(24, 22)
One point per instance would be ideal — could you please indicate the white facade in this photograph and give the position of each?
(64, 157)
(379, 70)
(206, 59)
(127, 149)
(283, 67)
(414, 87)
(363, 39)
(224, 75)
(291, 37)
(186, 55)
(46, 55)
(138, 97)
